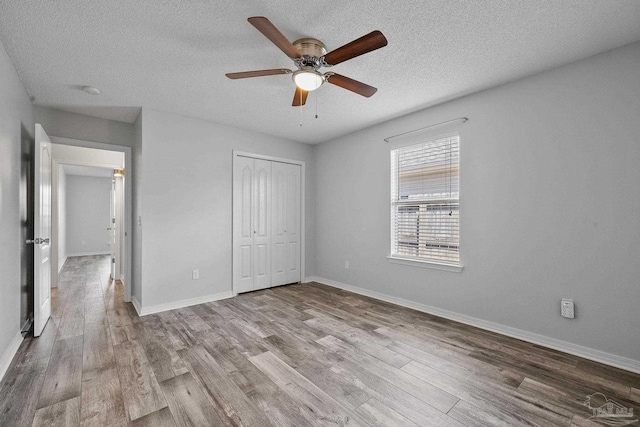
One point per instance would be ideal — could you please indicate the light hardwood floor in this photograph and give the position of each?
(298, 355)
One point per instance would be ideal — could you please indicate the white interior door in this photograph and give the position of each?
(119, 227)
(42, 231)
(292, 229)
(278, 223)
(112, 228)
(261, 224)
(243, 224)
(267, 220)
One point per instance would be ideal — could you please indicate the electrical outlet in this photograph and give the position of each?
(346, 265)
(195, 274)
(567, 308)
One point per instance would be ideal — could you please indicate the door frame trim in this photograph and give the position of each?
(303, 214)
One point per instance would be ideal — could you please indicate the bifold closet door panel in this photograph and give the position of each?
(293, 213)
(279, 191)
(262, 224)
(243, 224)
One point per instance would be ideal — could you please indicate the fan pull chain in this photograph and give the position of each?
(316, 96)
(300, 108)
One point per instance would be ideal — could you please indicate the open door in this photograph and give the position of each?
(112, 229)
(116, 224)
(120, 224)
(42, 232)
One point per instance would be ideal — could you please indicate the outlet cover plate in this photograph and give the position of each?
(567, 309)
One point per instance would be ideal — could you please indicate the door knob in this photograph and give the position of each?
(37, 241)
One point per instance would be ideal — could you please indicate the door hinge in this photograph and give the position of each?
(113, 220)
(113, 260)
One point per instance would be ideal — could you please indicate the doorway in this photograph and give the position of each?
(91, 165)
(89, 215)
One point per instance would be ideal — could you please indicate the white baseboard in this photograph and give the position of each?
(88, 254)
(143, 311)
(7, 357)
(136, 305)
(62, 264)
(555, 344)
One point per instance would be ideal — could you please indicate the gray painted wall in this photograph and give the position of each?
(186, 178)
(16, 130)
(88, 202)
(78, 126)
(550, 206)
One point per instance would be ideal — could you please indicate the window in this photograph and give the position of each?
(425, 207)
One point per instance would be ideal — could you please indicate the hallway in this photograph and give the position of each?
(73, 359)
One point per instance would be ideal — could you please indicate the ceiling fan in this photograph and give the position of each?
(309, 55)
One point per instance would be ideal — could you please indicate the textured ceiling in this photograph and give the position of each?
(172, 55)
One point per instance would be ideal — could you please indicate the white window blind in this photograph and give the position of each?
(425, 208)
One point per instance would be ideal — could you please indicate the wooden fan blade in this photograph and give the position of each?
(372, 41)
(258, 73)
(270, 31)
(300, 97)
(350, 84)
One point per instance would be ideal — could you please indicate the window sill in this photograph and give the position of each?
(457, 268)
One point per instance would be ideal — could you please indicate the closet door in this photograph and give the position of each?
(292, 229)
(266, 223)
(243, 224)
(261, 224)
(279, 177)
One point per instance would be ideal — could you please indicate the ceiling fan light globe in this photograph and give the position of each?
(308, 79)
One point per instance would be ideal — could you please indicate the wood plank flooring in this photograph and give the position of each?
(298, 355)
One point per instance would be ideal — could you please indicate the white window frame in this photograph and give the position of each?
(395, 202)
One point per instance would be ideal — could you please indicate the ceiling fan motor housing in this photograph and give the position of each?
(312, 51)
(310, 46)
